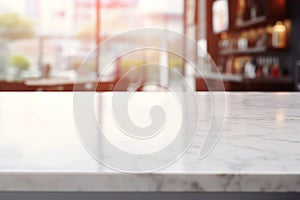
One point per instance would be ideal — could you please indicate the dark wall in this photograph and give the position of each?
(293, 13)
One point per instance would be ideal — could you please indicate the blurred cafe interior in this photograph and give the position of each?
(253, 44)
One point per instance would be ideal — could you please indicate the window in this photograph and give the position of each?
(60, 34)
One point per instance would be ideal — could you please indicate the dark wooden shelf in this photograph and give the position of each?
(252, 22)
(254, 50)
(283, 79)
(243, 51)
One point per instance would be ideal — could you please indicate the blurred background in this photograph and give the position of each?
(254, 44)
(44, 42)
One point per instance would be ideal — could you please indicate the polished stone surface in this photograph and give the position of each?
(259, 149)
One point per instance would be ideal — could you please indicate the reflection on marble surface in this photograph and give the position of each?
(259, 149)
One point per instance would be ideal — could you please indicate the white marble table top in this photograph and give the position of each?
(259, 149)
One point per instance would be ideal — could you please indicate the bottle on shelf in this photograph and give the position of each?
(269, 30)
(266, 67)
(279, 35)
(224, 42)
(229, 64)
(275, 68)
(241, 4)
(252, 38)
(247, 11)
(254, 9)
(242, 41)
(259, 67)
(261, 40)
(249, 69)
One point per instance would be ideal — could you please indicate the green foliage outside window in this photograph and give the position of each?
(13, 27)
(20, 62)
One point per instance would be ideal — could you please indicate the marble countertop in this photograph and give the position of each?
(259, 149)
